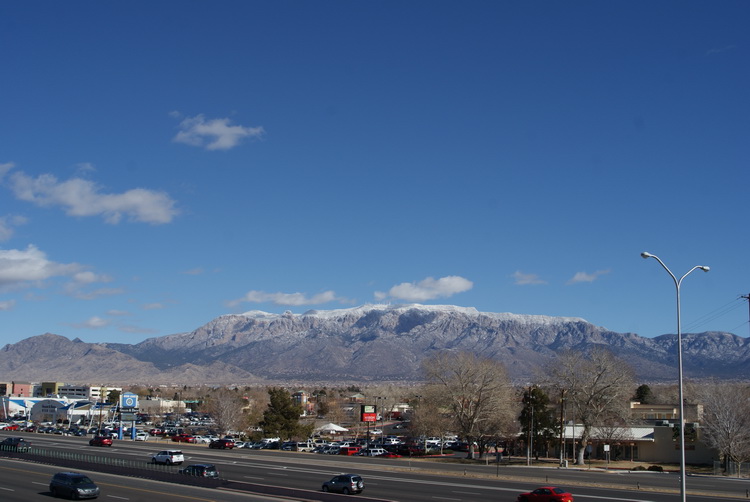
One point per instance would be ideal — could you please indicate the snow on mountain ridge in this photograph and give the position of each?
(401, 308)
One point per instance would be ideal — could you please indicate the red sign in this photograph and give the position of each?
(369, 413)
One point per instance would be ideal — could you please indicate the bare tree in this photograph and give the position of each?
(726, 420)
(598, 386)
(225, 406)
(474, 390)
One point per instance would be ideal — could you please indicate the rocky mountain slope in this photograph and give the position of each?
(368, 343)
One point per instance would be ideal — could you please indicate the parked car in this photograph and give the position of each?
(169, 457)
(142, 436)
(73, 485)
(304, 446)
(183, 438)
(546, 494)
(100, 441)
(222, 443)
(15, 444)
(344, 483)
(200, 470)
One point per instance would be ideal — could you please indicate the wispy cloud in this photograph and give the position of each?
(720, 50)
(81, 197)
(154, 306)
(288, 299)
(586, 277)
(213, 134)
(129, 328)
(92, 323)
(427, 289)
(7, 305)
(522, 279)
(8, 224)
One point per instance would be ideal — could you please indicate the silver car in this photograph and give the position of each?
(345, 483)
(169, 457)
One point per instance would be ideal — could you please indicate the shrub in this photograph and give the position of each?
(655, 468)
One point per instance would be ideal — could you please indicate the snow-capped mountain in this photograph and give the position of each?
(369, 343)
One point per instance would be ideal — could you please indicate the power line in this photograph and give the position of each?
(713, 315)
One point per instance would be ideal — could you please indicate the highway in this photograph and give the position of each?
(401, 480)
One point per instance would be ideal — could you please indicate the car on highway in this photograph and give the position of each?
(200, 470)
(169, 457)
(546, 494)
(222, 443)
(344, 483)
(100, 441)
(15, 444)
(73, 485)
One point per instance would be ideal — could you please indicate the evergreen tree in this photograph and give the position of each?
(537, 416)
(643, 394)
(281, 418)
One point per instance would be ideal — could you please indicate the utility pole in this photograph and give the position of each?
(746, 297)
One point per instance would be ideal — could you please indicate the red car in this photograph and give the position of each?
(546, 494)
(100, 441)
(183, 438)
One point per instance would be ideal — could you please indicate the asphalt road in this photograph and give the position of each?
(401, 480)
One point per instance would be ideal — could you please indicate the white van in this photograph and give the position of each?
(373, 452)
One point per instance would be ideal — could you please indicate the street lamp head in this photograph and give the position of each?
(646, 255)
(705, 269)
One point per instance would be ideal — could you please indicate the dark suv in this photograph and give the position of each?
(73, 485)
(221, 443)
(15, 444)
(201, 471)
(345, 483)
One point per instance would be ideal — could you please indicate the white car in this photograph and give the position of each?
(142, 436)
(169, 457)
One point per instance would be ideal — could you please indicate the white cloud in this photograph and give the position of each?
(92, 323)
(81, 197)
(293, 299)
(30, 265)
(522, 279)
(213, 134)
(586, 277)
(427, 289)
(7, 305)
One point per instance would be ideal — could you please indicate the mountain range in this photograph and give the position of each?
(370, 343)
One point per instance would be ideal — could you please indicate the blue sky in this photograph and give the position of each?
(164, 163)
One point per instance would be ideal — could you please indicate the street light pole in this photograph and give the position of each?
(677, 283)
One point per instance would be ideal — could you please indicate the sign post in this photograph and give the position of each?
(128, 409)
